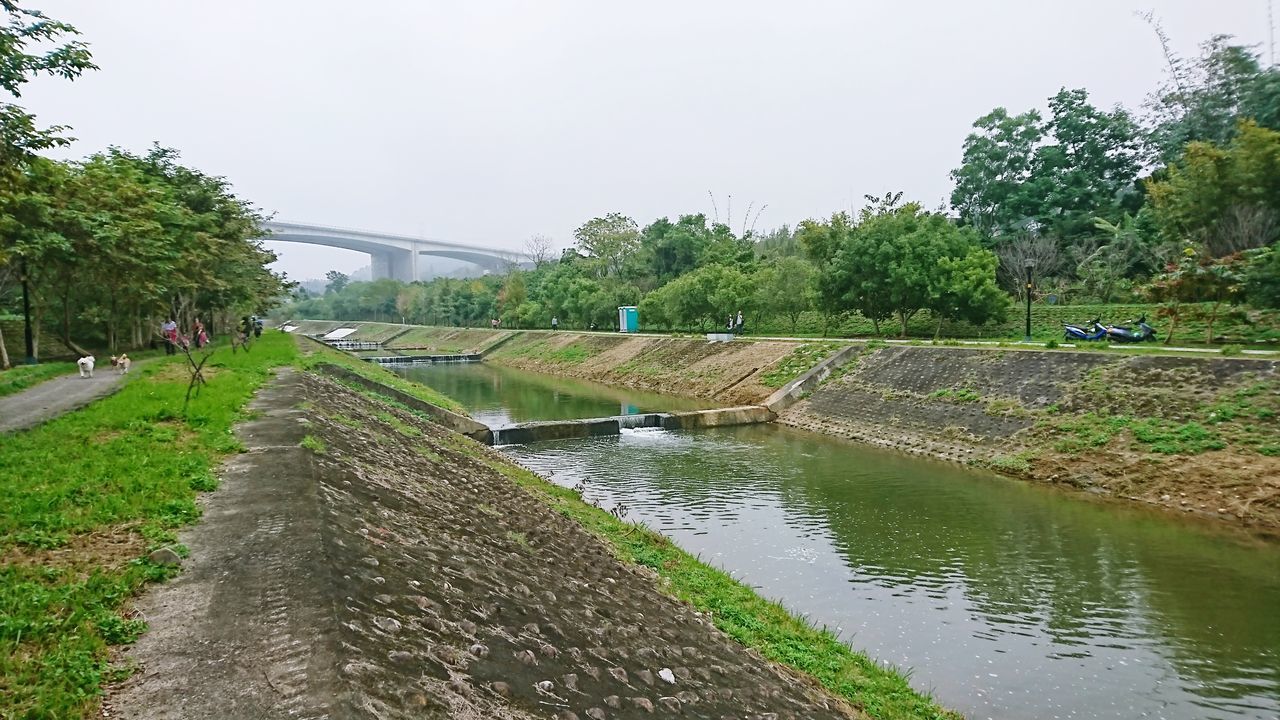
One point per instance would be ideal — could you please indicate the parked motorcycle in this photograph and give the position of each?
(1095, 331)
(1142, 333)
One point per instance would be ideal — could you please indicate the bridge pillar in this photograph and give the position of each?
(399, 265)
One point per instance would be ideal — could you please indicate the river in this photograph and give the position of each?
(1004, 600)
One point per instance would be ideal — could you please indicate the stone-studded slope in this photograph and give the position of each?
(445, 591)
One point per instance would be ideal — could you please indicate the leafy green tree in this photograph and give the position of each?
(1021, 172)
(1089, 169)
(611, 239)
(904, 260)
(992, 183)
(784, 288)
(709, 293)
(1226, 198)
(32, 44)
(1262, 277)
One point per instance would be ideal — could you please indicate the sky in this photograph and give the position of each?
(489, 122)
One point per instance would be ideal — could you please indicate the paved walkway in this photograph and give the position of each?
(52, 398)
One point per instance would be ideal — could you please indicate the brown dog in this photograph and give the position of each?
(121, 363)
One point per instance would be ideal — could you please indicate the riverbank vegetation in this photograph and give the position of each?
(75, 526)
(111, 245)
(1171, 212)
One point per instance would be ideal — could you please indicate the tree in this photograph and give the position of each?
(964, 288)
(1196, 277)
(1021, 173)
(783, 287)
(1204, 99)
(540, 250)
(708, 293)
(903, 260)
(1223, 197)
(1262, 277)
(337, 282)
(513, 293)
(611, 239)
(1090, 168)
(1013, 254)
(991, 193)
(20, 136)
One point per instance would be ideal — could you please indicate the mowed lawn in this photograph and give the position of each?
(84, 498)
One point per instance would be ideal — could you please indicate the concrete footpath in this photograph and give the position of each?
(52, 398)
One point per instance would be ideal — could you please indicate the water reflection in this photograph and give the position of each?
(498, 396)
(1007, 601)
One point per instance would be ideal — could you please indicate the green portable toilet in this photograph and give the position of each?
(629, 319)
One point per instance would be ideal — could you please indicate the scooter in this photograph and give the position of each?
(1143, 333)
(1095, 331)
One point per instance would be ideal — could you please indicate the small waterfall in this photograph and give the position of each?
(631, 422)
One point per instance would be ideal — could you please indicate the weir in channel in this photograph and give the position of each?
(1003, 599)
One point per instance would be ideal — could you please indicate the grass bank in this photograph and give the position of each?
(736, 609)
(316, 353)
(83, 498)
(21, 377)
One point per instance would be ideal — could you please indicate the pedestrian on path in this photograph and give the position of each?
(555, 324)
(170, 331)
(737, 326)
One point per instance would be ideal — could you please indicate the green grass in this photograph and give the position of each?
(797, 363)
(572, 354)
(956, 395)
(314, 444)
(138, 464)
(1017, 463)
(736, 609)
(21, 377)
(399, 425)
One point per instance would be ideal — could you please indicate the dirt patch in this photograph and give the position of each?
(182, 373)
(730, 373)
(1215, 484)
(109, 548)
(400, 575)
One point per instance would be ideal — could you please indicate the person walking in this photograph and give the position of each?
(555, 323)
(169, 328)
(197, 332)
(728, 325)
(737, 326)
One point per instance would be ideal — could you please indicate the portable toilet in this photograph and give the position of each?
(628, 319)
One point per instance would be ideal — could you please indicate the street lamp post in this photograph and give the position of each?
(1030, 264)
(26, 316)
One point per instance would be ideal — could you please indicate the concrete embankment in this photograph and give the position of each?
(1195, 435)
(394, 569)
(597, 427)
(733, 373)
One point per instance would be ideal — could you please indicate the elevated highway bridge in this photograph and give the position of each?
(392, 256)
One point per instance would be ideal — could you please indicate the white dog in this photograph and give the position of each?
(86, 366)
(121, 363)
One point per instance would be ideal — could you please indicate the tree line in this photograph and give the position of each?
(1178, 203)
(111, 245)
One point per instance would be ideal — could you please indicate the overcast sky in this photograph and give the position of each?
(488, 122)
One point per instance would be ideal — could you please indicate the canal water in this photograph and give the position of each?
(1004, 600)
